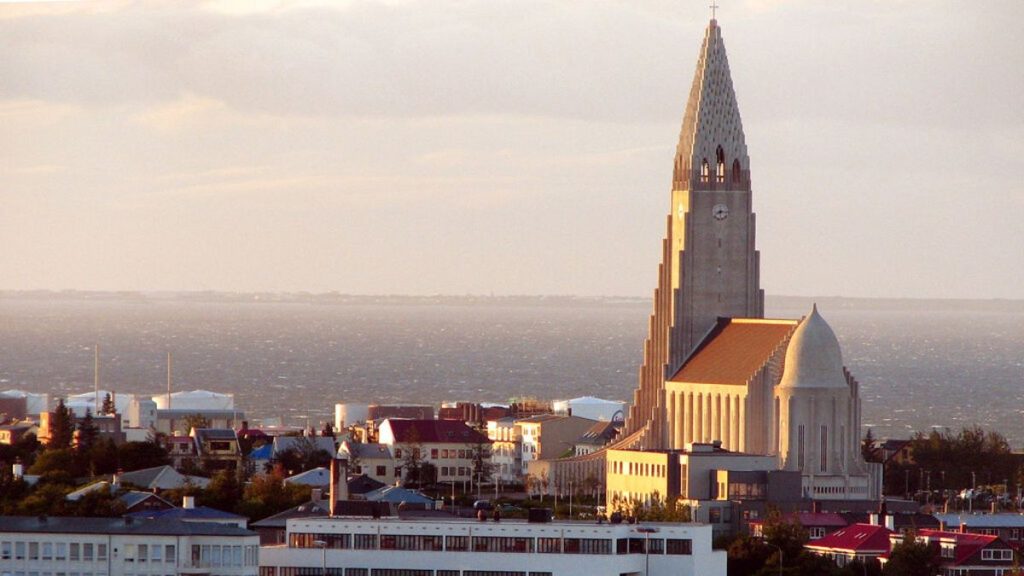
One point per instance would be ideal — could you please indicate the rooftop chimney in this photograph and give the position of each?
(188, 502)
(18, 470)
(963, 528)
(890, 522)
(339, 482)
(816, 506)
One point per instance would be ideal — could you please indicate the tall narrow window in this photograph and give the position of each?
(824, 449)
(800, 447)
(720, 164)
(705, 170)
(736, 177)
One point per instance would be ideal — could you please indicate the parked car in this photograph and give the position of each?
(483, 505)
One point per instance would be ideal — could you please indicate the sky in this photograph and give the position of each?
(501, 146)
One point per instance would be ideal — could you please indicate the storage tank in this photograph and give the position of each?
(348, 414)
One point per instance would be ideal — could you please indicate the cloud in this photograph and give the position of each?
(184, 113)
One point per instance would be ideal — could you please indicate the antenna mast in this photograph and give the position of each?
(168, 379)
(96, 377)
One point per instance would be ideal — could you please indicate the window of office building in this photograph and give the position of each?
(457, 543)
(679, 546)
(502, 544)
(364, 541)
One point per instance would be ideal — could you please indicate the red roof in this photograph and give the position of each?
(859, 538)
(434, 431)
(967, 544)
(735, 350)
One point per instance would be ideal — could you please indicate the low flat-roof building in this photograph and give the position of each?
(123, 546)
(356, 546)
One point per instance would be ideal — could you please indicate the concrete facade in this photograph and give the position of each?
(512, 548)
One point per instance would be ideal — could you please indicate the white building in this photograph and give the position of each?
(354, 546)
(124, 547)
(35, 403)
(591, 408)
(506, 450)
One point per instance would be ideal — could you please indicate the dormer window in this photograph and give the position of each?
(705, 170)
(720, 164)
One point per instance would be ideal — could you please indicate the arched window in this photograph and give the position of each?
(705, 170)
(720, 167)
(736, 176)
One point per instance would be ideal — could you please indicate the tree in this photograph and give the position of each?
(911, 558)
(867, 447)
(141, 455)
(88, 433)
(62, 427)
(302, 455)
(108, 405)
(267, 494)
(481, 457)
(223, 493)
(193, 421)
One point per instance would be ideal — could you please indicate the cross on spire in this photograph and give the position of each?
(714, 9)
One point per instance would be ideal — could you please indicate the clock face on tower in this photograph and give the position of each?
(720, 211)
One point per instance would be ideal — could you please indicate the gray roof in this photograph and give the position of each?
(982, 520)
(310, 509)
(282, 443)
(164, 477)
(134, 497)
(137, 526)
(366, 450)
(216, 434)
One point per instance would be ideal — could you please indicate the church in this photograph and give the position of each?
(715, 371)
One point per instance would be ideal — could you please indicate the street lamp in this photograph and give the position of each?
(323, 555)
(647, 547)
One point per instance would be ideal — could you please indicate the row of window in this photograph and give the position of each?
(441, 453)
(443, 471)
(517, 544)
(53, 551)
(33, 573)
(215, 555)
(638, 469)
(319, 571)
(150, 553)
(997, 554)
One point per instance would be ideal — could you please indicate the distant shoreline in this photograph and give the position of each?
(335, 298)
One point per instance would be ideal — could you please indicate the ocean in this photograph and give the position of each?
(921, 364)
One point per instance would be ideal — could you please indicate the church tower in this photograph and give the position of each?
(709, 266)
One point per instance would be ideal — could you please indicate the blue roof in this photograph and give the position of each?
(197, 513)
(397, 495)
(262, 453)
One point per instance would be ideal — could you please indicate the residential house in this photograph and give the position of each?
(1008, 527)
(450, 445)
(372, 460)
(963, 553)
(862, 542)
(13, 433)
(218, 449)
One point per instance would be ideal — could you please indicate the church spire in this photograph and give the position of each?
(711, 148)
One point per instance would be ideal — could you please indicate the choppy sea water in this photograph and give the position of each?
(920, 365)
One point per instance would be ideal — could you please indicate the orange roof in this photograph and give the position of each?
(734, 350)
